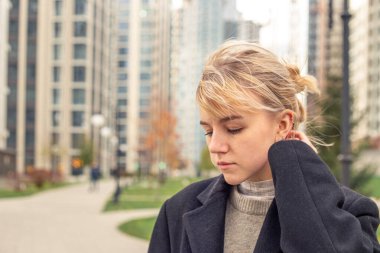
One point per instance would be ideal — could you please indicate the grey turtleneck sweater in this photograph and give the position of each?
(247, 206)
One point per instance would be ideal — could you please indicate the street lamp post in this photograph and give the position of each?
(105, 133)
(345, 156)
(97, 120)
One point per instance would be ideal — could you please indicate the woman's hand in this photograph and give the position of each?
(297, 135)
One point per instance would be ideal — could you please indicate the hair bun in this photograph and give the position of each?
(302, 83)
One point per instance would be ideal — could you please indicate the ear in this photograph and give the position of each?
(285, 123)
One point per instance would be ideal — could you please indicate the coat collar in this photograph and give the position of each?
(205, 224)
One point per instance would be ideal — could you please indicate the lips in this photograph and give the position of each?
(224, 165)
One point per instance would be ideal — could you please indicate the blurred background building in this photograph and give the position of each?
(143, 92)
(198, 30)
(4, 12)
(60, 74)
(120, 75)
(365, 66)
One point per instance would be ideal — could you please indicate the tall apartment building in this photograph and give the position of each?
(364, 67)
(143, 91)
(200, 30)
(334, 46)
(4, 23)
(325, 39)
(60, 69)
(359, 58)
(374, 69)
(232, 20)
(249, 30)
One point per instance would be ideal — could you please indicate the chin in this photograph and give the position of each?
(232, 179)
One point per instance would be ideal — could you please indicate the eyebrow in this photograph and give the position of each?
(222, 120)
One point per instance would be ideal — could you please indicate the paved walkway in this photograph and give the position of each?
(67, 220)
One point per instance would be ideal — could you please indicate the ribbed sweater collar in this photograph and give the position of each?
(253, 198)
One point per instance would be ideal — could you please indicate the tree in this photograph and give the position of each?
(327, 129)
(205, 164)
(161, 141)
(86, 154)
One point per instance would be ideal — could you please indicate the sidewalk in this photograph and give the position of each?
(67, 220)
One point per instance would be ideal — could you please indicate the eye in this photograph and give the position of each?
(209, 133)
(234, 130)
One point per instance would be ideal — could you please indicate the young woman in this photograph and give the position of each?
(274, 193)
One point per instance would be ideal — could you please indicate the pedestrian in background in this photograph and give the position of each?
(274, 193)
(94, 176)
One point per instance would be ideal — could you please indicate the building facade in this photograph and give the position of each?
(143, 91)
(201, 31)
(60, 75)
(374, 69)
(4, 46)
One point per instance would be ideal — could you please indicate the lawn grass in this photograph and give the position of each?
(141, 228)
(148, 194)
(30, 190)
(373, 186)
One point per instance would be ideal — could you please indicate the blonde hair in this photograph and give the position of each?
(244, 76)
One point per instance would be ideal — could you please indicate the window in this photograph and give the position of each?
(30, 94)
(80, 29)
(123, 77)
(78, 96)
(58, 7)
(32, 28)
(56, 96)
(12, 71)
(79, 51)
(123, 25)
(122, 102)
(30, 116)
(54, 139)
(31, 72)
(80, 7)
(121, 128)
(57, 29)
(122, 89)
(13, 27)
(29, 139)
(31, 50)
(123, 50)
(79, 74)
(144, 102)
(121, 115)
(57, 52)
(77, 119)
(77, 140)
(56, 74)
(55, 118)
(145, 76)
(146, 63)
(145, 89)
(123, 38)
(122, 64)
(144, 115)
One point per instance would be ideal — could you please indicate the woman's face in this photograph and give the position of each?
(239, 144)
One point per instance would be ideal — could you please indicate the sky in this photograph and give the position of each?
(256, 10)
(280, 29)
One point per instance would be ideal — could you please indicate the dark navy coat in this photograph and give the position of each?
(311, 212)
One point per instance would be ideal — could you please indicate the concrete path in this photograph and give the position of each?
(67, 220)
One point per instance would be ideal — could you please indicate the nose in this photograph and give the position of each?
(217, 144)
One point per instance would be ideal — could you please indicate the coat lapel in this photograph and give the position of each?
(204, 226)
(270, 234)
